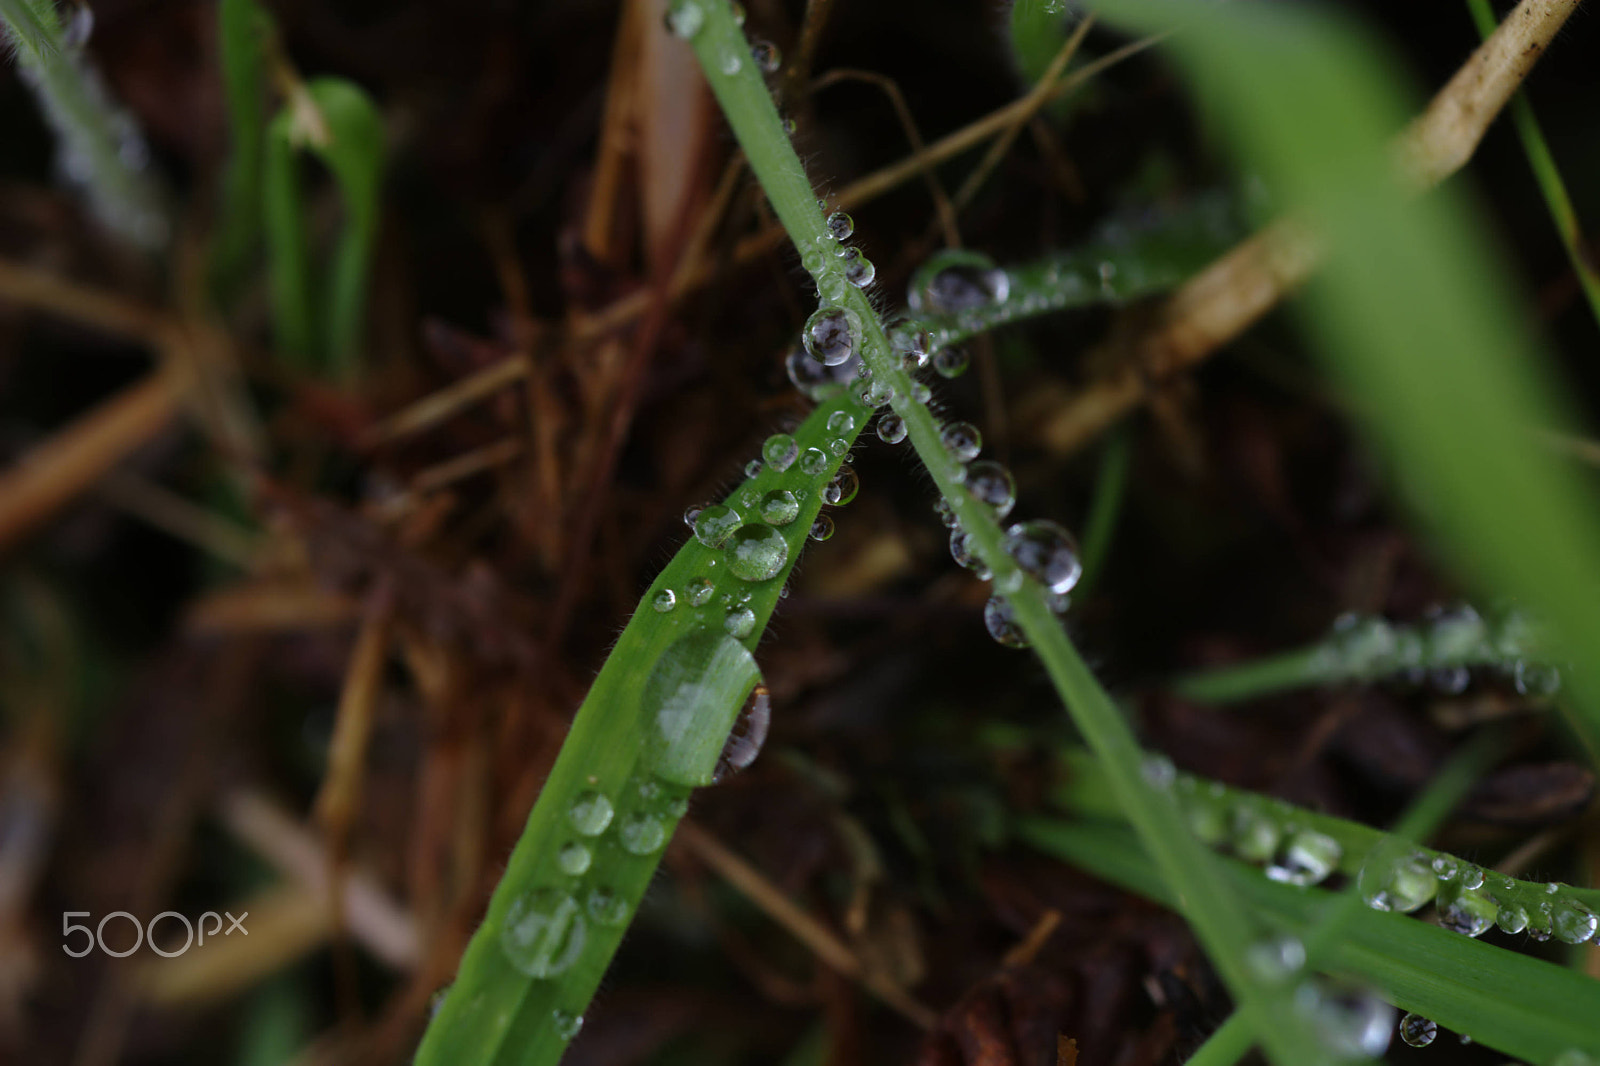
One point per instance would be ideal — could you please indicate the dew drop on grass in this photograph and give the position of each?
(830, 335)
(689, 697)
(950, 362)
(748, 735)
(813, 462)
(1045, 552)
(565, 1023)
(698, 591)
(961, 551)
(715, 524)
(690, 514)
(920, 392)
(1573, 923)
(641, 833)
(779, 507)
(957, 280)
(841, 226)
(841, 422)
(1450, 680)
(685, 18)
(1401, 885)
(911, 342)
(766, 55)
(1466, 912)
(877, 394)
(946, 513)
(1348, 1021)
(1445, 867)
(1253, 835)
(816, 381)
(843, 488)
(822, 528)
(1276, 960)
(590, 813)
(780, 451)
(1305, 858)
(1541, 919)
(664, 601)
(837, 447)
(740, 622)
(1158, 771)
(753, 468)
(1417, 1030)
(543, 932)
(858, 269)
(1001, 623)
(730, 62)
(573, 858)
(757, 552)
(962, 440)
(605, 907)
(891, 428)
(1469, 876)
(1513, 918)
(992, 485)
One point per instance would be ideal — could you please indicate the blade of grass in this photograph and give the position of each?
(243, 29)
(1409, 310)
(1101, 525)
(1547, 174)
(1524, 1007)
(1224, 928)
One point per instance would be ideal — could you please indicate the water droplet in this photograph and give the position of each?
(837, 447)
(1253, 836)
(858, 269)
(1573, 923)
(957, 280)
(1469, 876)
(590, 813)
(1513, 918)
(1417, 1030)
(841, 422)
(641, 833)
(605, 907)
(813, 462)
(685, 18)
(961, 551)
(1158, 772)
(822, 528)
(946, 513)
(780, 451)
(891, 428)
(1306, 858)
(1572, 1057)
(816, 381)
(664, 601)
(950, 362)
(1349, 1022)
(565, 1023)
(766, 55)
(740, 622)
(738, 12)
(690, 514)
(753, 468)
(790, 125)
(779, 507)
(877, 393)
(911, 342)
(843, 488)
(830, 335)
(1450, 680)
(1540, 920)
(543, 933)
(757, 552)
(1465, 912)
(841, 226)
(962, 440)
(1402, 885)
(920, 392)
(992, 484)
(698, 591)
(1532, 679)
(730, 63)
(1001, 621)
(1445, 867)
(573, 858)
(715, 524)
(1276, 959)
(748, 735)
(1045, 552)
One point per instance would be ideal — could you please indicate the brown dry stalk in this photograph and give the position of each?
(1237, 289)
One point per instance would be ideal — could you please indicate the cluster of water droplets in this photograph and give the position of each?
(1441, 651)
(686, 18)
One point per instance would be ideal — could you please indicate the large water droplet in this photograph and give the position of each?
(841, 422)
(766, 55)
(590, 813)
(685, 18)
(843, 488)
(1513, 918)
(911, 342)
(1573, 923)
(748, 735)
(962, 440)
(858, 269)
(1347, 1021)
(1417, 1030)
(641, 833)
(605, 907)
(664, 601)
(813, 462)
(957, 280)
(822, 528)
(715, 524)
(699, 591)
(877, 393)
(1277, 959)
(779, 507)
(951, 362)
(1253, 835)
(961, 551)
(841, 226)
(691, 697)
(1400, 885)
(757, 552)
(730, 62)
(992, 484)
(739, 622)
(565, 1023)
(780, 451)
(573, 858)
(1306, 858)
(1001, 621)
(891, 428)
(830, 335)
(816, 380)
(1466, 912)
(1045, 552)
(543, 932)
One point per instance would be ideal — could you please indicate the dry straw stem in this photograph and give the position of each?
(1239, 288)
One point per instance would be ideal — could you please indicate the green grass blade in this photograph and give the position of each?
(1548, 175)
(243, 28)
(288, 246)
(650, 729)
(1524, 1007)
(1223, 926)
(1409, 309)
(1100, 527)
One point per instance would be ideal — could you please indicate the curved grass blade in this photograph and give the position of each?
(1525, 1007)
(243, 27)
(650, 730)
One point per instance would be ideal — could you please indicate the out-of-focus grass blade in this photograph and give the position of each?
(1410, 310)
(1518, 1005)
(243, 27)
